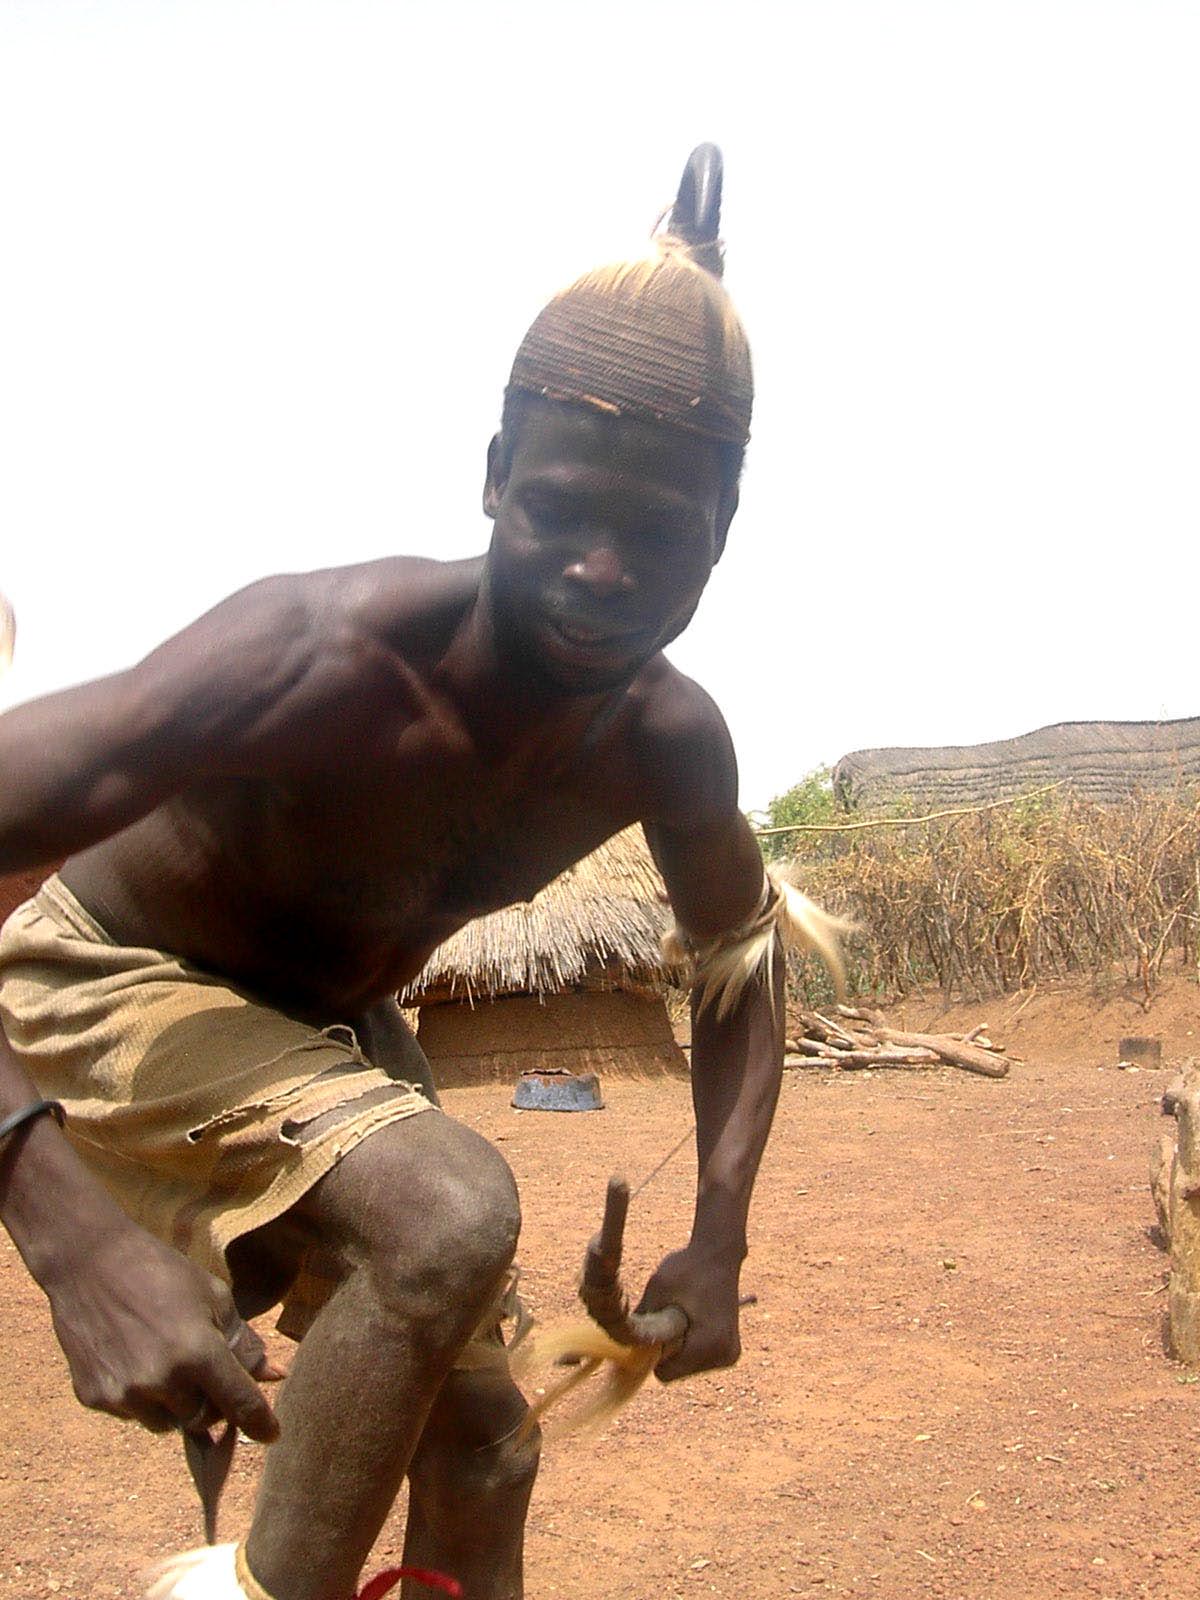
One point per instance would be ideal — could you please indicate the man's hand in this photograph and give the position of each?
(149, 1336)
(705, 1286)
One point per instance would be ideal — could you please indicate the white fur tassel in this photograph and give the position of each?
(210, 1573)
(804, 925)
(723, 967)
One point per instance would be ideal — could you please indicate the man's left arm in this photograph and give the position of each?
(714, 875)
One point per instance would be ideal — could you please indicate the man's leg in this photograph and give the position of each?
(426, 1213)
(469, 1487)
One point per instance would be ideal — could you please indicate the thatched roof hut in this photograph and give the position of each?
(1100, 761)
(573, 978)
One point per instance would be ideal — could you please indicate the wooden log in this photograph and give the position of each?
(967, 1056)
(816, 1028)
(837, 1033)
(868, 1056)
(1183, 1209)
(812, 1047)
(956, 1052)
(884, 1058)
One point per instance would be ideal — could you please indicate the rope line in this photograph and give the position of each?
(906, 822)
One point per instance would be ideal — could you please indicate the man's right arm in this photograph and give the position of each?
(146, 1334)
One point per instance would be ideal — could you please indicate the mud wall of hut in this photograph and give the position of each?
(613, 1034)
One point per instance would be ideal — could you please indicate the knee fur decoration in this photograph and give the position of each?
(721, 968)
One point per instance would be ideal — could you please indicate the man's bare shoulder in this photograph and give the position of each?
(337, 619)
(260, 667)
(410, 601)
(685, 753)
(387, 596)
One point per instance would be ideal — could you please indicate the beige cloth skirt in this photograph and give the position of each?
(193, 1102)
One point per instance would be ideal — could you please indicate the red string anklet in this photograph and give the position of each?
(384, 1582)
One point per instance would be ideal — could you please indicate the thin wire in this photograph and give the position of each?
(654, 1171)
(906, 822)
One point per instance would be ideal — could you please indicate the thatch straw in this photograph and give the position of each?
(608, 913)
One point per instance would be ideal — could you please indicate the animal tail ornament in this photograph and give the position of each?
(723, 967)
(587, 1352)
(619, 1348)
(220, 1572)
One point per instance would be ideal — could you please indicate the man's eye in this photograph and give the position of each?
(551, 513)
(667, 533)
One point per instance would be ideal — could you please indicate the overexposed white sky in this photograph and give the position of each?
(264, 267)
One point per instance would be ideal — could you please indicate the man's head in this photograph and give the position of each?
(614, 477)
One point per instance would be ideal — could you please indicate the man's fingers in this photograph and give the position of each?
(198, 1416)
(155, 1419)
(148, 1414)
(251, 1351)
(239, 1335)
(237, 1397)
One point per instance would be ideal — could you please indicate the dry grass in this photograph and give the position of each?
(1004, 899)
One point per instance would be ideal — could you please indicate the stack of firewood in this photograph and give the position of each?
(857, 1038)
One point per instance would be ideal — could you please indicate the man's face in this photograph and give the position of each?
(607, 529)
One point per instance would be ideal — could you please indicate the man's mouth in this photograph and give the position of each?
(582, 633)
(593, 640)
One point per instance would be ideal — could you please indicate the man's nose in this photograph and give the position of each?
(601, 569)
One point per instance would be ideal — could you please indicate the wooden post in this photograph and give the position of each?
(1183, 1216)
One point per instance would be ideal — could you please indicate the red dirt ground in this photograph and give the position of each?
(953, 1382)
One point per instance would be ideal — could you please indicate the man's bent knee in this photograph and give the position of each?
(471, 1220)
(431, 1209)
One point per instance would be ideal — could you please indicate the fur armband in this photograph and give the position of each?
(722, 967)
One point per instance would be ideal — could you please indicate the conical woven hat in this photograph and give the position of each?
(656, 337)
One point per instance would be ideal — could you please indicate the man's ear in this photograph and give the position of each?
(496, 481)
(725, 514)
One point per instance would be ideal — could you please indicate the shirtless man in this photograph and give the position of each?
(269, 825)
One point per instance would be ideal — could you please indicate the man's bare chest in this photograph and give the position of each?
(381, 859)
(447, 844)
(337, 878)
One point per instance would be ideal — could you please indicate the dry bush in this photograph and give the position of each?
(1001, 899)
